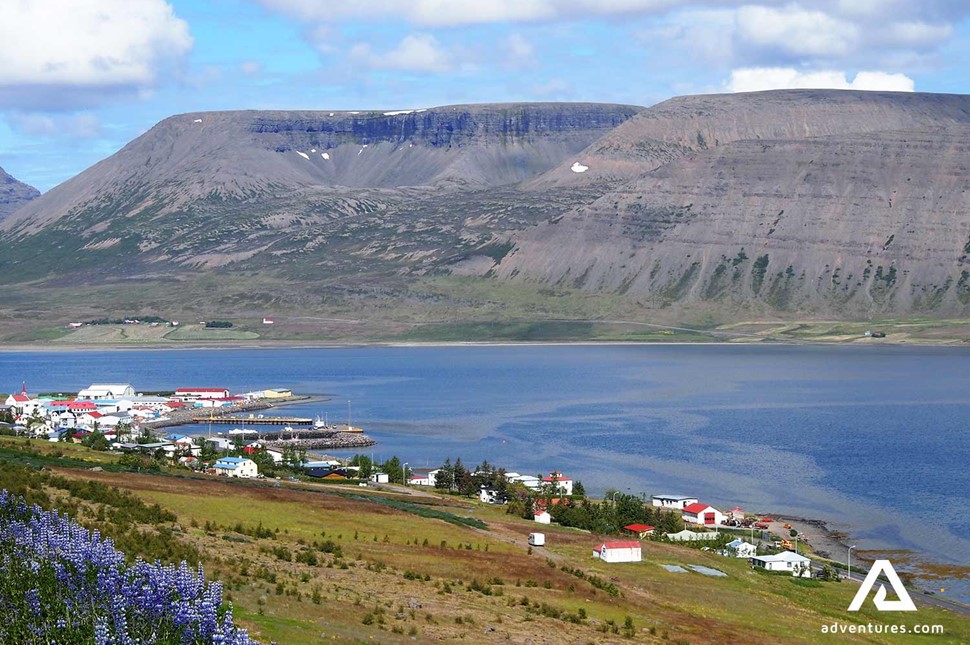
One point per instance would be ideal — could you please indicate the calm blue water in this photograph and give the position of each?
(872, 439)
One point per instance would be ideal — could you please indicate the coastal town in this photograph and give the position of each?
(116, 417)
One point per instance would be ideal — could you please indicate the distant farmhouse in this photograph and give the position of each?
(618, 551)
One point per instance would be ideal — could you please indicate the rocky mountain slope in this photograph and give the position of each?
(14, 194)
(316, 194)
(809, 203)
(834, 203)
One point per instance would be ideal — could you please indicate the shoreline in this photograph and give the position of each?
(28, 348)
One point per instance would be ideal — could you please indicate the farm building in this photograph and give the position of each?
(702, 514)
(618, 551)
(640, 530)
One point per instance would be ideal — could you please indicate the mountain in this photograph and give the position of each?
(14, 194)
(816, 202)
(318, 194)
(805, 203)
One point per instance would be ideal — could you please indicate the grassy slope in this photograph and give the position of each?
(381, 545)
(430, 308)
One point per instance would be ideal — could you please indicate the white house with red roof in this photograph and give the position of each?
(618, 551)
(559, 483)
(88, 419)
(194, 393)
(17, 402)
(423, 477)
(702, 514)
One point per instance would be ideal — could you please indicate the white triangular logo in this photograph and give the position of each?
(905, 603)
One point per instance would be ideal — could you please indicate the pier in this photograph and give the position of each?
(256, 420)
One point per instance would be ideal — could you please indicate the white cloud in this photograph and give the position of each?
(795, 31)
(88, 44)
(415, 53)
(519, 52)
(82, 126)
(777, 78)
(437, 13)
(913, 34)
(251, 67)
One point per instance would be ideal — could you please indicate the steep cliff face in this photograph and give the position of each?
(694, 124)
(805, 211)
(14, 194)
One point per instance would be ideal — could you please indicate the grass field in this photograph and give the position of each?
(314, 563)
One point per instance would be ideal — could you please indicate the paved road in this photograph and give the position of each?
(920, 598)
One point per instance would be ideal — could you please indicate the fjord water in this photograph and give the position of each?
(871, 439)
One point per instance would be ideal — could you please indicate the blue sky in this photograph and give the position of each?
(80, 79)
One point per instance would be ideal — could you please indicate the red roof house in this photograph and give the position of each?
(704, 514)
(618, 551)
(640, 529)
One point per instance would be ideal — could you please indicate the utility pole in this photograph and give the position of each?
(848, 563)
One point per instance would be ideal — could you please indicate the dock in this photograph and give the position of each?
(256, 420)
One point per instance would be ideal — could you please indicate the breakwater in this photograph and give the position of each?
(311, 440)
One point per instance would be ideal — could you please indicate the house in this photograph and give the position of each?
(690, 536)
(702, 514)
(741, 549)
(89, 419)
(640, 530)
(672, 501)
(236, 467)
(529, 481)
(422, 477)
(488, 495)
(618, 551)
(379, 478)
(193, 393)
(558, 483)
(106, 391)
(540, 511)
(17, 402)
(797, 564)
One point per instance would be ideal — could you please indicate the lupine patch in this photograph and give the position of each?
(60, 583)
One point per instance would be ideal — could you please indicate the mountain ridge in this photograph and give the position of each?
(14, 194)
(816, 203)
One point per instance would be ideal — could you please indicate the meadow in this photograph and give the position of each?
(313, 563)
